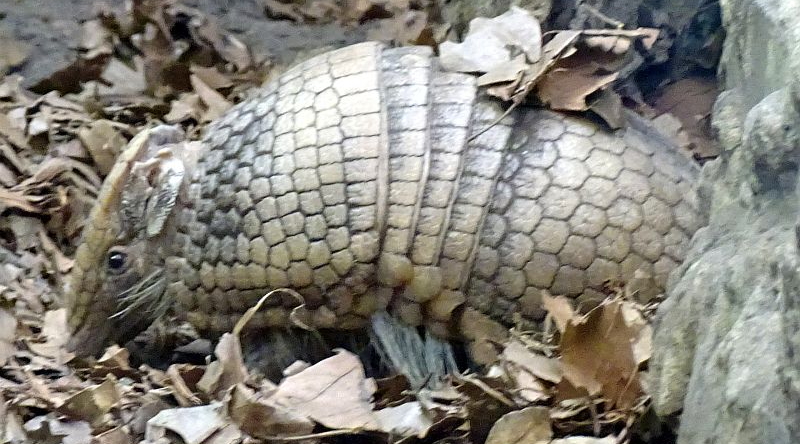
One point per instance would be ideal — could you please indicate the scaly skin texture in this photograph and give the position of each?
(366, 179)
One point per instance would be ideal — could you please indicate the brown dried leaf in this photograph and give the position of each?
(96, 39)
(8, 153)
(227, 371)
(70, 78)
(122, 79)
(90, 404)
(338, 380)
(559, 309)
(117, 435)
(212, 77)
(566, 89)
(529, 388)
(12, 429)
(690, 101)
(538, 365)
(193, 424)
(7, 177)
(47, 430)
(407, 419)
(14, 199)
(585, 440)
(8, 330)
(216, 104)
(510, 71)
(608, 106)
(115, 357)
(561, 45)
(13, 131)
(597, 355)
(407, 28)
(180, 388)
(530, 425)
(486, 45)
(55, 331)
(104, 143)
(278, 10)
(643, 343)
(12, 52)
(484, 333)
(262, 417)
(63, 263)
(186, 107)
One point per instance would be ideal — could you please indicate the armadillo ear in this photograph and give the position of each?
(166, 187)
(154, 180)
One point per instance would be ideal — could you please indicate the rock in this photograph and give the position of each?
(727, 338)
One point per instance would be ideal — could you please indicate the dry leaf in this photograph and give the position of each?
(277, 10)
(104, 143)
(477, 54)
(486, 45)
(212, 77)
(12, 430)
(92, 403)
(407, 419)
(227, 371)
(559, 308)
(117, 435)
(262, 417)
(122, 79)
(643, 342)
(509, 71)
(12, 199)
(216, 104)
(12, 53)
(13, 131)
(566, 89)
(56, 333)
(690, 101)
(193, 424)
(530, 425)
(46, 430)
(608, 105)
(186, 107)
(181, 389)
(597, 355)
(8, 329)
(538, 365)
(585, 440)
(338, 380)
(484, 334)
(115, 357)
(7, 177)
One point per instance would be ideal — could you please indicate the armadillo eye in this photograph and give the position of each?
(117, 261)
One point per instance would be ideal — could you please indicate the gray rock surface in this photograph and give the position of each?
(726, 340)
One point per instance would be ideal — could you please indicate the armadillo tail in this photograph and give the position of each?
(423, 358)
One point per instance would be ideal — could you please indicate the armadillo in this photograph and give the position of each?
(370, 180)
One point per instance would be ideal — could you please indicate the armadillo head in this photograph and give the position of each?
(116, 288)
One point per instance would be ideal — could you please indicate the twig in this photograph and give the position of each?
(327, 434)
(596, 12)
(498, 120)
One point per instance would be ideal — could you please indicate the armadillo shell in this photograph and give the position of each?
(368, 177)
